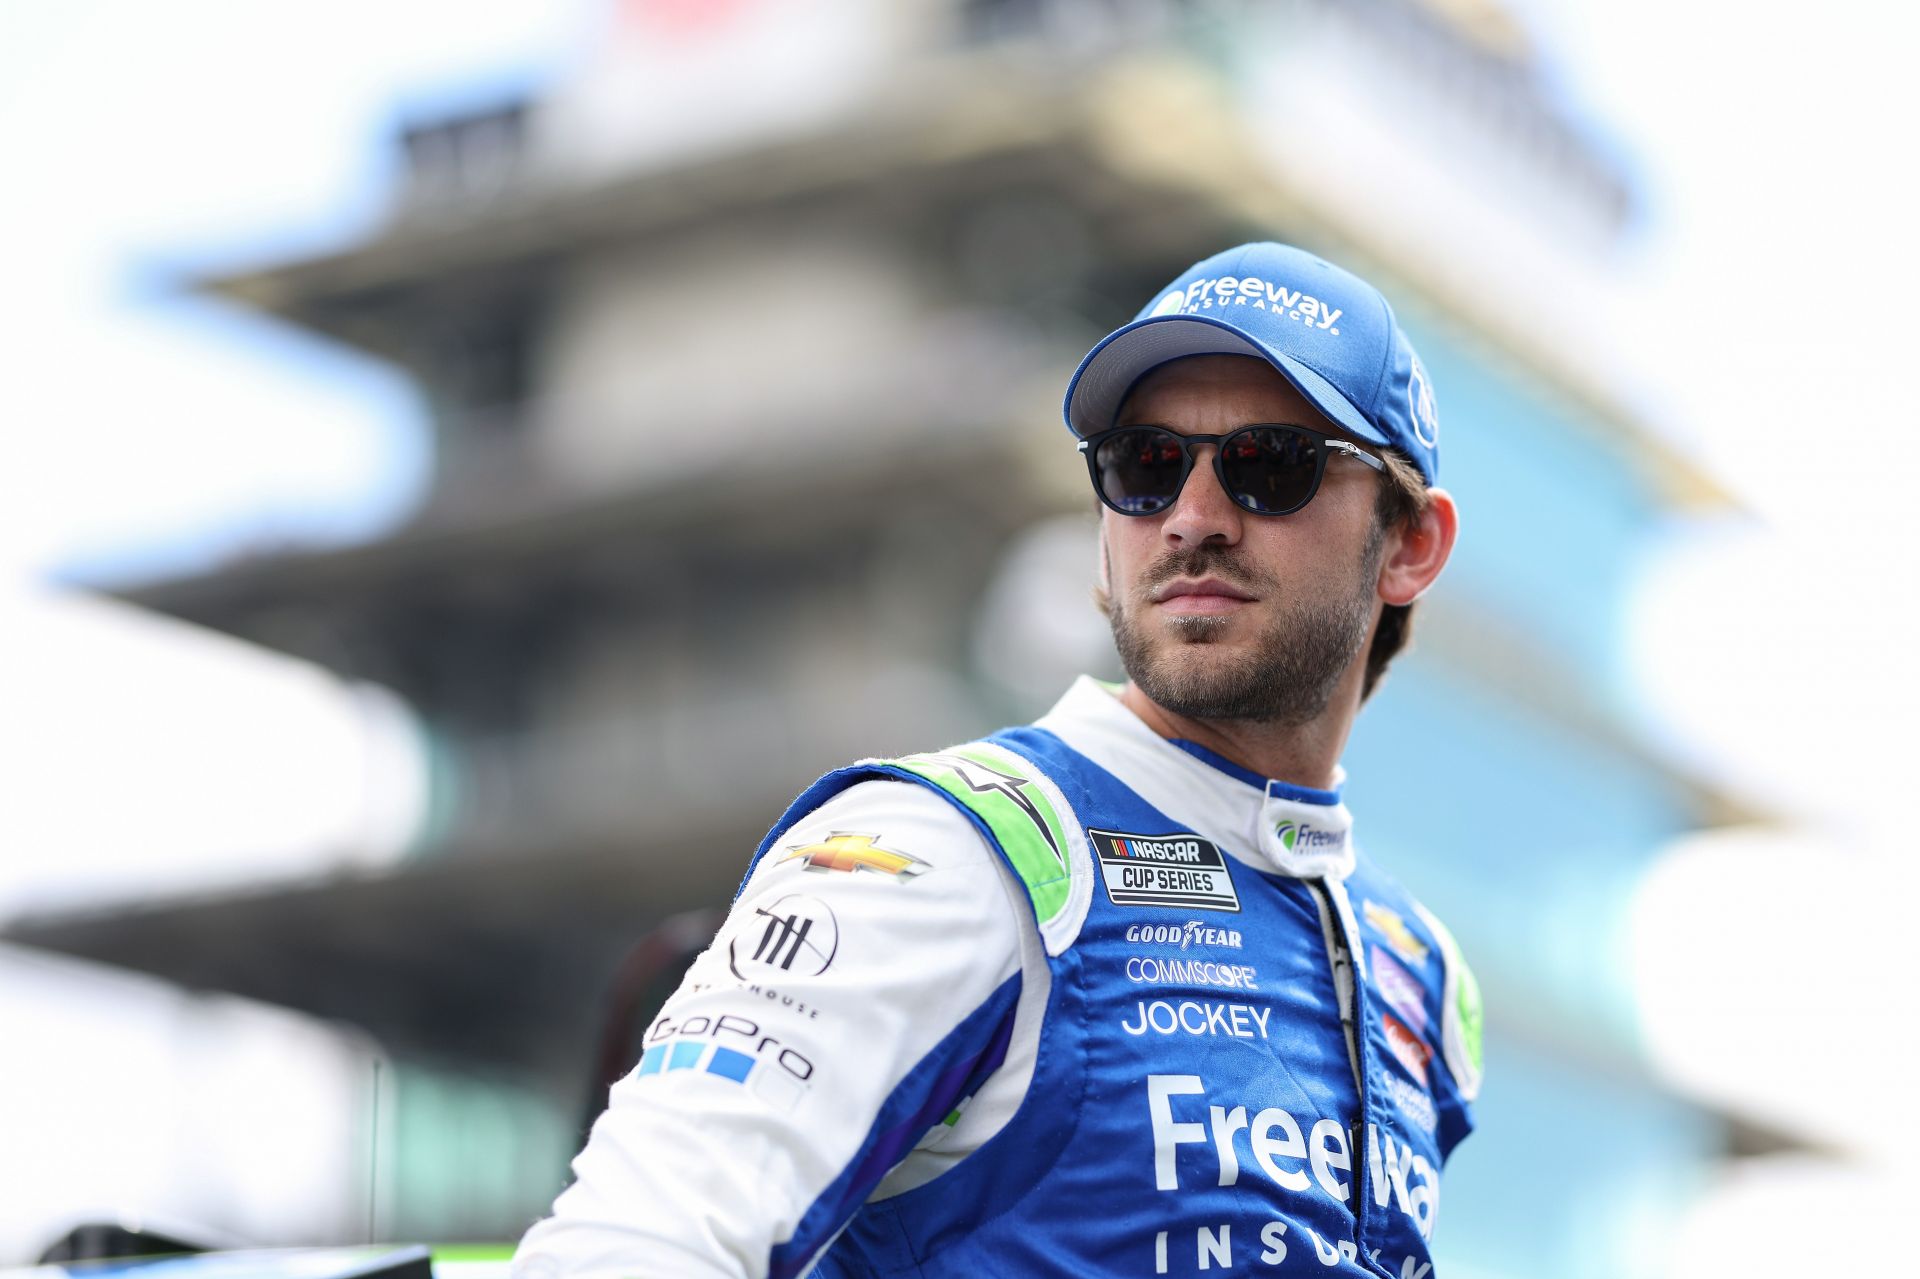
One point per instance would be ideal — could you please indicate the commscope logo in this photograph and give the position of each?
(1191, 972)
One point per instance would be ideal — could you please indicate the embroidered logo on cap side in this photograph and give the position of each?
(1421, 407)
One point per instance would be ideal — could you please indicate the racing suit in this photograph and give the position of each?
(1071, 1000)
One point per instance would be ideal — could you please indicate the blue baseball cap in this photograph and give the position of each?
(1326, 330)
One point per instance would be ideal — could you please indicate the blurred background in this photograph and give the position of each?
(467, 465)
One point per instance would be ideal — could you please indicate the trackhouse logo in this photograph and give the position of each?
(1216, 293)
(797, 935)
(1164, 870)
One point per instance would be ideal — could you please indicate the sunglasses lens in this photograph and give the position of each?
(1269, 470)
(1140, 470)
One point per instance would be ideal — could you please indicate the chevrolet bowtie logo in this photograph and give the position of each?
(849, 853)
(1395, 930)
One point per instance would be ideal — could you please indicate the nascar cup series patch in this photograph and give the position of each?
(1180, 870)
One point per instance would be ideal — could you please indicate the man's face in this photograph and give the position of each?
(1222, 614)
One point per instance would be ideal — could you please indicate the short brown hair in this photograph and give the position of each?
(1401, 501)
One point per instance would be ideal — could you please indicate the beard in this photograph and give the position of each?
(1296, 663)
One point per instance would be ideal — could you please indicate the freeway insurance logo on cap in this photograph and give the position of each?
(1211, 293)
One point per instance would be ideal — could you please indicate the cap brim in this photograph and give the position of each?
(1127, 354)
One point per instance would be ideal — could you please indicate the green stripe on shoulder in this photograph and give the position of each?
(1000, 789)
(1466, 1002)
(1462, 1017)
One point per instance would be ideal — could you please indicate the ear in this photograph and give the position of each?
(1417, 552)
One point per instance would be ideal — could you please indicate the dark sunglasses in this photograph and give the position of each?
(1266, 468)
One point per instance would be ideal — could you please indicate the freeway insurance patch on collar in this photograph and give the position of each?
(1180, 870)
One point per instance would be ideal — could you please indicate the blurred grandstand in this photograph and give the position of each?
(745, 344)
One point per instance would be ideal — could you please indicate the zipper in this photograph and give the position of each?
(1340, 959)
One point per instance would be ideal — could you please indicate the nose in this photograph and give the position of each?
(1203, 512)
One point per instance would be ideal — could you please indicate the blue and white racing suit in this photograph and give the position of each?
(1071, 1000)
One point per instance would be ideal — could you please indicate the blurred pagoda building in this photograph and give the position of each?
(744, 349)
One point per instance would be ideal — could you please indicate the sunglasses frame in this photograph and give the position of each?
(1330, 445)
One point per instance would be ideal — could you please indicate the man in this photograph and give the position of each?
(1113, 993)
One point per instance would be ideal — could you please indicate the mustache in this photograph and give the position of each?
(1205, 560)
